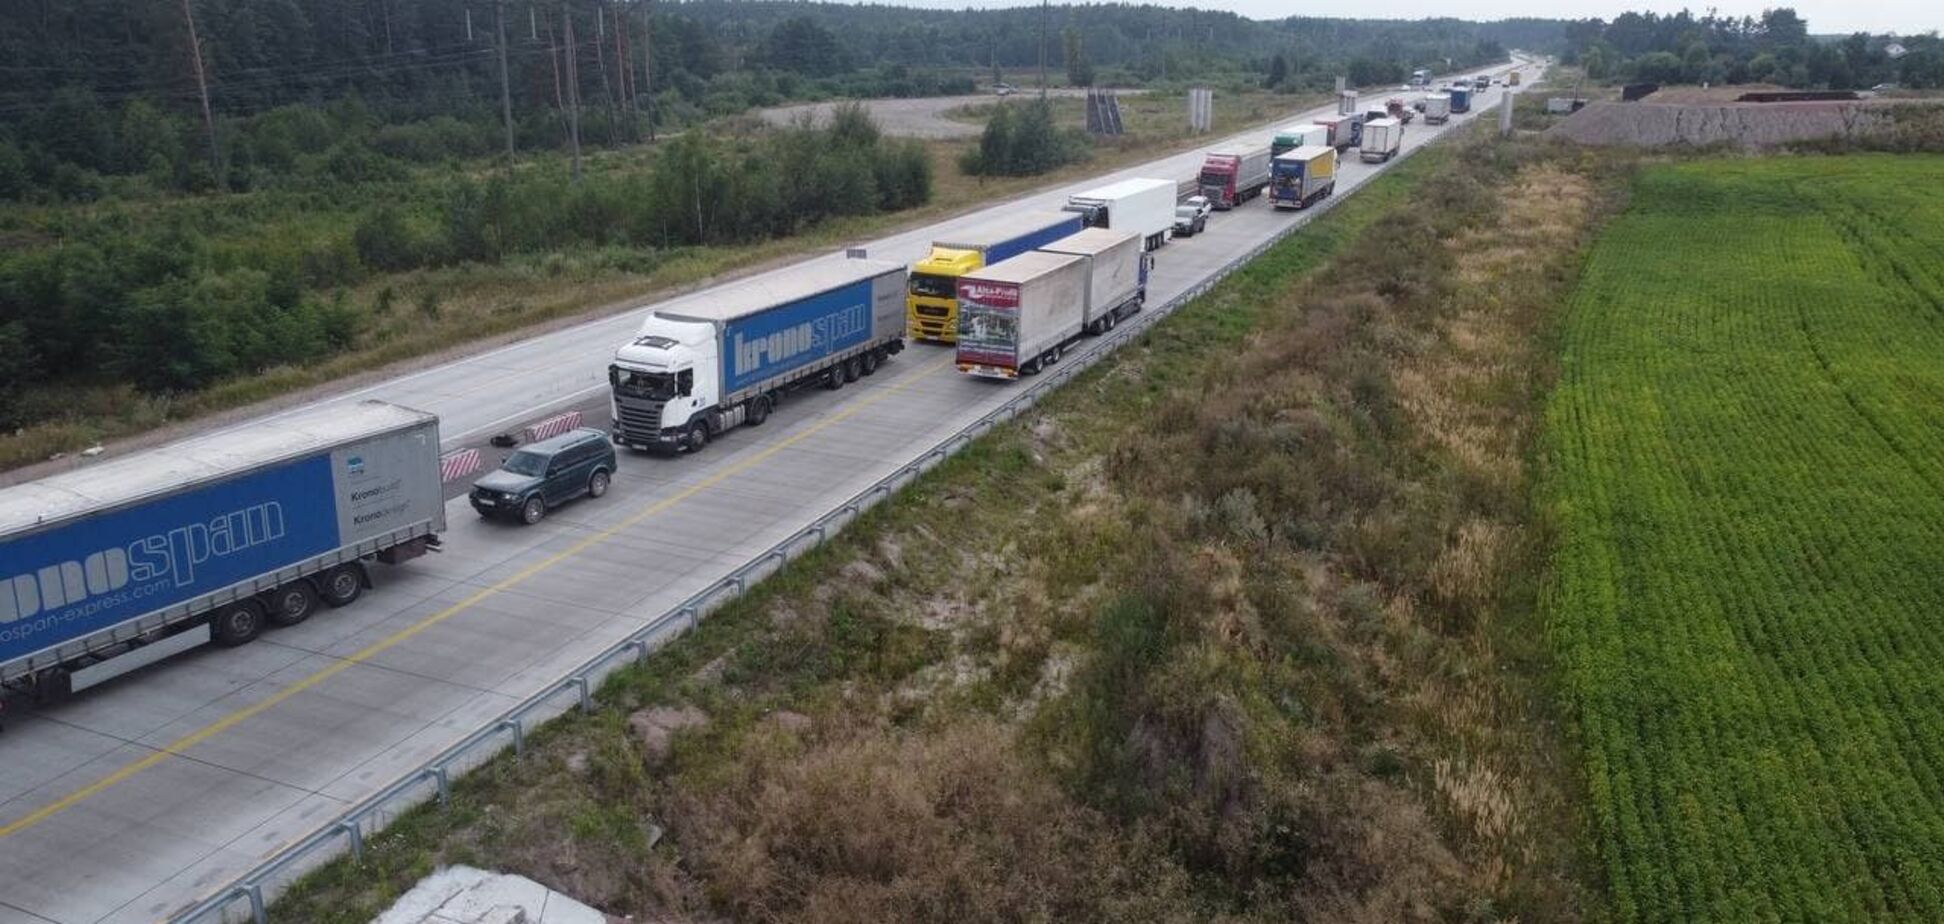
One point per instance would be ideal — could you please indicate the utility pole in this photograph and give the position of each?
(1046, 9)
(573, 87)
(202, 87)
(506, 95)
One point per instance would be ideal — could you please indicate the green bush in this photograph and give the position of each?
(1022, 140)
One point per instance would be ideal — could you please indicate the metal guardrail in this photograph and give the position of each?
(433, 779)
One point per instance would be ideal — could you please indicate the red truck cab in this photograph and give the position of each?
(1217, 180)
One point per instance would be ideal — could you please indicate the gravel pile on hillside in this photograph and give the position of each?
(1752, 125)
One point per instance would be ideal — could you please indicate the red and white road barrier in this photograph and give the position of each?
(552, 426)
(458, 464)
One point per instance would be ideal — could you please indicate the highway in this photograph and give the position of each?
(146, 794)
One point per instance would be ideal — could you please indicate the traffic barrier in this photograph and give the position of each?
(552, 426)
(458, 464)
(247, 897)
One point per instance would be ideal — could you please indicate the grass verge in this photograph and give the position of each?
(1238, 626)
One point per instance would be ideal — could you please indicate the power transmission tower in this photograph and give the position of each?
(506, 95)
(202, 87)
(573, 87)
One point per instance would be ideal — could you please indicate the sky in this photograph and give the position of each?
(1904, 17)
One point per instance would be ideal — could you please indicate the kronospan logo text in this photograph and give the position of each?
(150, 564)
(790, 342)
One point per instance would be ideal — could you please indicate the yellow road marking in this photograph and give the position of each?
(227, 722)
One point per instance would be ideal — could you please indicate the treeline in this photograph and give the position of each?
(1776, 47)
(178, 297)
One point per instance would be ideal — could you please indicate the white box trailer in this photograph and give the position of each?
(1381, 140)
(1017, 316)
(1117, 271)
(1437, 108)
(120, 563)
(1143, 206)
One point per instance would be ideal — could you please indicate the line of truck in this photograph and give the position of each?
(111, 567)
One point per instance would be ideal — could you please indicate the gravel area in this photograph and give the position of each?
(922, 117)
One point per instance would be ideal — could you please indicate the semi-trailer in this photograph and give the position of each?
(1117, 275)
(1142, 206)
(116, 565)
(1296, 136)
(1232, 176)
(1017, 316)
(706, 362)
(1303, 176)
(1346, 132)
(1460, 99)
(1437, 108)
(1381, 140)
(932, 305)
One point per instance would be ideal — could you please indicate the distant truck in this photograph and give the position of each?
(1460, 99)
(1296, 136)
(1303, 176)
(1117, 275)
(1512, 79)
(1346, 132)
(116, 565)
(1482, 82)
(704, 363)
(1420, 78)
(1142, 206)
(932, 305)
(1018, 316)
(1381, 140)
(1232, 176)
(1437, 108)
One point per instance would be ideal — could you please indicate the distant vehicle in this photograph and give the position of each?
(1482, 81)
(1420, 78)
(1397, 110)
(1303, 176)
(1138, 205)
(1381, 140)
(932, 304)
(544, 475)
(707, 362)
(119, 564)
(1512, 79)
(1461, 98)
(1189, 221)
(1003, 89)
(1019, 315)
(1201, 205)
(1295, 136)
(1232, 176)
(1437, 108)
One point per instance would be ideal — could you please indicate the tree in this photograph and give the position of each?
(1080, 72)
(1782, 28)
(804, 47)
(1278, 71)
(1598, 64)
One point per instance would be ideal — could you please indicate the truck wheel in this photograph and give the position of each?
(698, 436)
(236, 623)
(597, 484)
(292, 603)
(868, 363)
(852, 369)
(834, 379)
(341, 585)
(1030, 367)
(759, 410)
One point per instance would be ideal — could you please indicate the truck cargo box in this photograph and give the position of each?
(1382, 139)
(1116, 274)
(1303, 176)
(933, 301)
(1019, 314)
(1437, 108)
(1143, 206)
(1231, 176)
(124, 550)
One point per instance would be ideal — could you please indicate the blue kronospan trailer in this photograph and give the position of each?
(715, 359)
(1460, 99)
(115, 565)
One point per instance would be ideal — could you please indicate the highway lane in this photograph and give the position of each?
(146, 794)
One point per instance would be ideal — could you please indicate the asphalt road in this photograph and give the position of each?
(152, 791)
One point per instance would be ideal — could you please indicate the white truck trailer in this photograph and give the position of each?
(1143, 206)
(1437, 108)
(1017, 316)
(715, 359)
(1117, 272)
(1382, 138)
(119, 564)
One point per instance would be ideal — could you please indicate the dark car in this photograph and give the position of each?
(1189, 221)
(545, 475)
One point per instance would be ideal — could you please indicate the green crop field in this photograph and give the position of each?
(1745, 466)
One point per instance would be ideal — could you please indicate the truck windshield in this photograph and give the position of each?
(526, 463)
(1212, 178)
(928, 285)
(655, 386)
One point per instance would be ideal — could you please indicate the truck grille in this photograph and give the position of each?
(932, 311)
(640, 417)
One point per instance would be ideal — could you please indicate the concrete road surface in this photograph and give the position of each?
(161, 787)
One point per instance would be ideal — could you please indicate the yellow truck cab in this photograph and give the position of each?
(931, 301)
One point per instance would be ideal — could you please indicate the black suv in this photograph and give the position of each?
(545, 475)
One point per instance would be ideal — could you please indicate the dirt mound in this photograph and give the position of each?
(1752, 125)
